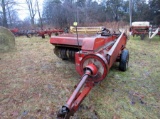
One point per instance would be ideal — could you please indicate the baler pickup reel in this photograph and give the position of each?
(94, 56)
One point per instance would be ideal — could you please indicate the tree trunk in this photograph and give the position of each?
(39, 15)
(4, 14)
(9, 15)
(32, 21)
(32, 11)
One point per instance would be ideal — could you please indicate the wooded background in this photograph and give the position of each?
(62, 13)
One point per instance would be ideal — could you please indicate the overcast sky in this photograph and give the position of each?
(23, 9)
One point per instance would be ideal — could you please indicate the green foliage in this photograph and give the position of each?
(140, 10)
(154, 11)
(64, 13)
(115, 7)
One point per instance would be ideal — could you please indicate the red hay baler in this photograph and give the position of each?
(140, 28)
(94, 56)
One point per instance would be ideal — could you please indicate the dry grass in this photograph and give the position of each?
(34, 83)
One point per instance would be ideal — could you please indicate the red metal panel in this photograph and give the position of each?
(68, 39)
(93, 44)
(78, 58)
(57, 40)
(116, 49)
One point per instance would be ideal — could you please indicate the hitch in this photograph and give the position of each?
(63, 113)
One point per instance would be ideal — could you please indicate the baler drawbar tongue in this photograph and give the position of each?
(77, 97)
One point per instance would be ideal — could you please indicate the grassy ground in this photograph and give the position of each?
(34, 83)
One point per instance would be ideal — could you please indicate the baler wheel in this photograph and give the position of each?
(142, 36)
(43, 36)
(124, 59)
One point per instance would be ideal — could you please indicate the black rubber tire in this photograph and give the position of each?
(43, 36)
(142, 36)
(124, 59)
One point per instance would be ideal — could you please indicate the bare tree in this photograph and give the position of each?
(11, 13)
(7, 5)
(1, 19)
(39, 14)
(32, 10)
(4, 13)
